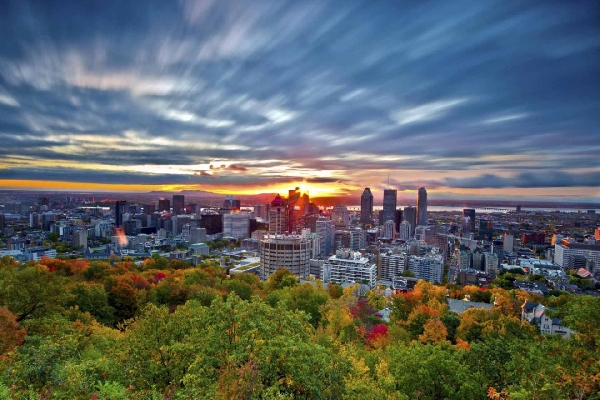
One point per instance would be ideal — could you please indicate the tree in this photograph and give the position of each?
(31, 292)
(93, 298)
(123, 299)
(434, 332)
(11, 335)
(280, 279)
(335, 291)
(441, 375)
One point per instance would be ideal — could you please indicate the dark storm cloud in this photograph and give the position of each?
(434, 87)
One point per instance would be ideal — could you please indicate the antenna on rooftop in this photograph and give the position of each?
(388, 180)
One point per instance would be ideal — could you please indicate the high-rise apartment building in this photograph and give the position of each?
(326, 231)
(388, 230)
(422, 207)
(404, 231)
(282, 251)
(178, 204)
(366, 206)
(429, 267)
(389, 205)
(347, 266)
(391, 265)
(410, 215)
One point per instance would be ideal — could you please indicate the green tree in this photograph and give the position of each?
(32, 292)
(93, 298)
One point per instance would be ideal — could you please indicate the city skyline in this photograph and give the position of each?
(481, 101)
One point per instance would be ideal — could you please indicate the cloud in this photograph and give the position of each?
(425, 112)
(321, 90)
(524, 180)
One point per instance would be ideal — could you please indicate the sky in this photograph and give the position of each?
(471, 99)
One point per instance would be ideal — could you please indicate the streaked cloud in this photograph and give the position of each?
(468, 96)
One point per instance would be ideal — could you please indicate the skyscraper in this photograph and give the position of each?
(470, 223)
(410, 215)
(389, 205)
(278, 216)
(366, 206)
(178, 204)
(119, 205)
(164, 205)
(422, 207)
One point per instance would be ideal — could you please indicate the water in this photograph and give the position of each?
(484, 210)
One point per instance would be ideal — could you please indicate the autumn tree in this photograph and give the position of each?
(11, 335)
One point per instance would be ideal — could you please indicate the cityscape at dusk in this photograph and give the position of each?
(471, 100)
(273, 199)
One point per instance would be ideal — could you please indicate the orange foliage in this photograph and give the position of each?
(10, 334)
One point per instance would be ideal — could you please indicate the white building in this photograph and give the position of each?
(404, 230)
(236, 225)
(388, 230)
(103, 229)
(358, 239)
(565, 254)
(491, 263)
(347, 266)
(392, 265)
(429, 267)
(292, 252)
(37, 253)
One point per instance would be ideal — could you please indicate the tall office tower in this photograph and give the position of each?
(422, 207)
(149, 208)
(340, 215)
(366, 206)
(278, 216)
(486, 229)
(290, 252)
(397, 219)
(178, 204)
(410, 215)
(231, 203)
(389, 205)
(295, 210)
(119, 205)
(469, 224)
(164, 205)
